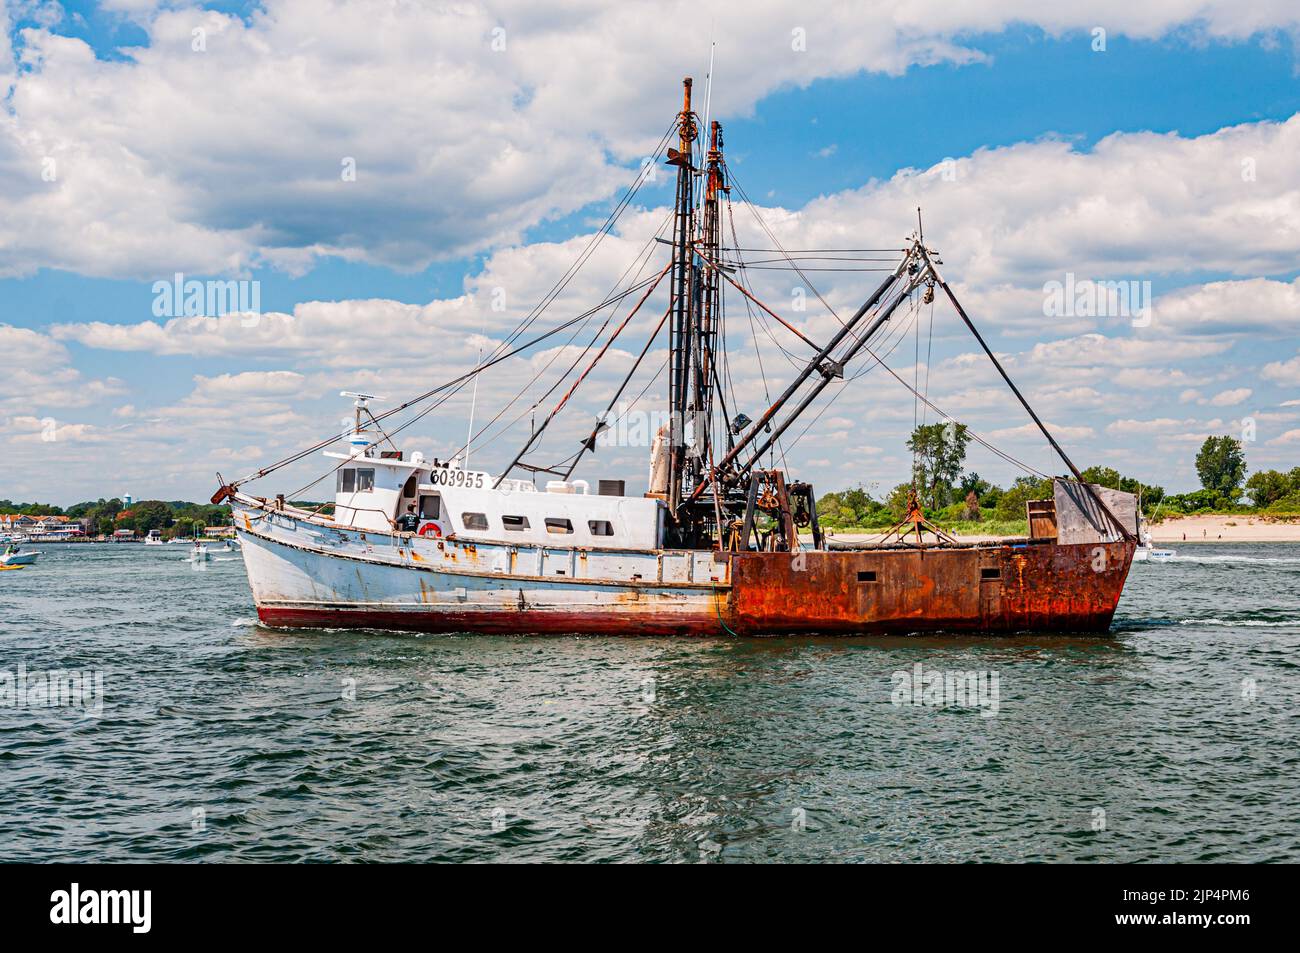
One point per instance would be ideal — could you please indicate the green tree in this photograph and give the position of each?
(1011, 504)
(1221, 465)
(939, 451)
(1112, 478)
(1268, 486)
(897, 500)
(147, 515)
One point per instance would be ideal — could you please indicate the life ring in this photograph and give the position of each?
(430, 529)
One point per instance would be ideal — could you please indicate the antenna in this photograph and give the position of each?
(708, 80)
(473, 402)
(361, 403)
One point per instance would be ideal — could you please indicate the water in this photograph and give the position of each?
(221, 740)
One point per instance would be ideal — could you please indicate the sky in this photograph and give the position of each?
(402, 182)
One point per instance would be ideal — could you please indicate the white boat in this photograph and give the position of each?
(1145, 552)
(199, 553)
(154, 538)
(12, 557)
(713, 546)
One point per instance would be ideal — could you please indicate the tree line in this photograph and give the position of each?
(949, 494)
(103, 517)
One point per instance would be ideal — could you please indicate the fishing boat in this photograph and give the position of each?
(723, 540)
(1146, 552)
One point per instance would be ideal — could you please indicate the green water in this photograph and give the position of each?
(221, 740)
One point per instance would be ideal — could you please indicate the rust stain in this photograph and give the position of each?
(989, 589)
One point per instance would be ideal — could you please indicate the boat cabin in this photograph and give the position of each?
(374, 488)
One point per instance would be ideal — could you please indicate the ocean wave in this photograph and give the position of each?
(1260, 623)
(1278, 560)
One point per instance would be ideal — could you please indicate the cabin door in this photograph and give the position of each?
(990, 590)
(430, 510)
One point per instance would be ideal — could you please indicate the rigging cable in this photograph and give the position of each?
(523, 325)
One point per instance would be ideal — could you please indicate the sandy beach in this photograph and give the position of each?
(1190, 529)
(1216, 529)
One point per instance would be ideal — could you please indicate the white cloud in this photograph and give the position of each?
(1230, 398)
(1283, 372)
(213, 160)
(1158, 426)
(1097, 350)
(1255, 305)
(39, 376)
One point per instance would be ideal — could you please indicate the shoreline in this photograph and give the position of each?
(1178, 529)
(1224, 529)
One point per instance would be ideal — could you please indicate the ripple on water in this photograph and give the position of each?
(220, 739)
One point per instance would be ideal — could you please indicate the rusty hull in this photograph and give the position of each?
(1038, 586)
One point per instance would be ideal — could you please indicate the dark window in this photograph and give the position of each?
(867, 575)
(348, 481)
(409, 488)
(557, 525)
(365, 481)
(600, 527)
(431, 506)
(474, 520)
(516, 524)
(991, 573)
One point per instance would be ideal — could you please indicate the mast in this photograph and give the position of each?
(708, 308)
(683, 286)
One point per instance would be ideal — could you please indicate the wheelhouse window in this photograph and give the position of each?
(431, 506)
(600, 527)
(347, 482)
(474, 520)
(556, 525)
(515, 524)
(356, 481)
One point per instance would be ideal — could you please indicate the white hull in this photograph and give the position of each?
(18, 559)
(309, 573)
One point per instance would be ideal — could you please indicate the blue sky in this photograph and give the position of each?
(820, 144)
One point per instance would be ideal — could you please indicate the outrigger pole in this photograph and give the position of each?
(1096, 497)
(828, 369)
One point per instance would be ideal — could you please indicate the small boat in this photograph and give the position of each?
(6, 568)
(12, 557)
(199, 553)
(1145, 552)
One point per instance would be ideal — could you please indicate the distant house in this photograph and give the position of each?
(217, 532)
(40, 527)
(124, 534)
(58, 527)
(16, 524)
